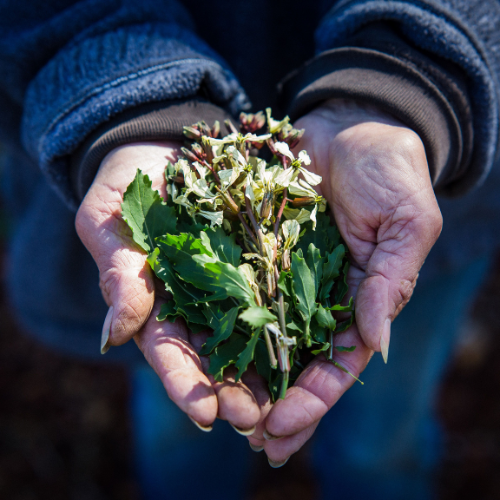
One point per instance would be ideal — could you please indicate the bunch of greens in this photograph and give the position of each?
(246, 249)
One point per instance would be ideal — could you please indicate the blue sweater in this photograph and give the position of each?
(67, 67)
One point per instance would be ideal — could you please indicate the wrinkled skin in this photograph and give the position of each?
(376, 179)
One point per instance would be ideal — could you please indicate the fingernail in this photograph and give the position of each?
(385, 339)
(204, 428)
(255, 447)
(105, 331)
(243, 432)
(277, 465)
(269, 437)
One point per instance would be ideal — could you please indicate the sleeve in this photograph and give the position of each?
(432, 64)
(72, 66)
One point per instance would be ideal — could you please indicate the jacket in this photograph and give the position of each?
(78, 78)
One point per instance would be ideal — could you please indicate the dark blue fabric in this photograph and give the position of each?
(68, 66)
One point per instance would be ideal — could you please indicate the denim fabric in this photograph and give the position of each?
(381, 441)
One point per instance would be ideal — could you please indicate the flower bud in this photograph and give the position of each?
(192, 133)
(229, 202)
(302, 202)
(229, 124)
(189, 155)
(178, 179)
(215, 129)
(285, 260)
(267, 205)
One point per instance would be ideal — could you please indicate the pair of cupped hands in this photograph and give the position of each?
(376, 180)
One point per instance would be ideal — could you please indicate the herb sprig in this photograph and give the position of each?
(245, 248)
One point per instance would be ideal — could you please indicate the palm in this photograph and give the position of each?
(376, 179)
(128, 285)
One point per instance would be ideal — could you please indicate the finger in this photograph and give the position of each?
(166, 347)
(279, 451)
(126, 280)
(318, 387)
(236, 402)
(258, 386)
(391, 272)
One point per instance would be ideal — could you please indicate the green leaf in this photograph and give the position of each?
(284, 283)
(222, 331)
(258, 316)
(224, 247)
(342, 287)
(345, 349)
(304, 287)
(325, 237)
(184, 295)
(315, 264)
(342, 327)
(167, 309)
(261, 359)
(324, 347)
(180, 248)
(331, 270)
(246, 357)
(294, 327)
(145, 212)
(228, 281)
(275, 384)
(325, 319)
(338, 307)
(319, 333)
(226, 355)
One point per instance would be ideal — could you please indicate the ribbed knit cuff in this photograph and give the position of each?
(377, 78)
(158, 121)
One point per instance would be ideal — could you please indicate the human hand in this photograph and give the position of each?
(376, 180)
(128, 287)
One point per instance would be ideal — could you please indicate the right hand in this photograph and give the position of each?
(128, 287)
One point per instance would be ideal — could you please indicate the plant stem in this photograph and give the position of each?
(281, 312)
(284, 384)
(270, 349)
(280, 212)
(247, 229)
(330, 349)
(255, 225)
(307, 334)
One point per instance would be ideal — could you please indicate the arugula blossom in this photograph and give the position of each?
(246, 249)
(296, 167)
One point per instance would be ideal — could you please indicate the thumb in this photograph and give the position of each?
(390, 277)
(125, 278)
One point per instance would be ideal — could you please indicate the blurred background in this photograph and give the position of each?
(65, 434)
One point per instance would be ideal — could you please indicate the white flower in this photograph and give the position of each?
(296, 166)
(313, 216)
(285, 177)
(311, 178)
(215, 218)
(282, 148)
(291, 232)
(304, 157)
(274, 125)
(301, 216)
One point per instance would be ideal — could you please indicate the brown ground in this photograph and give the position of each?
(64, 432)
